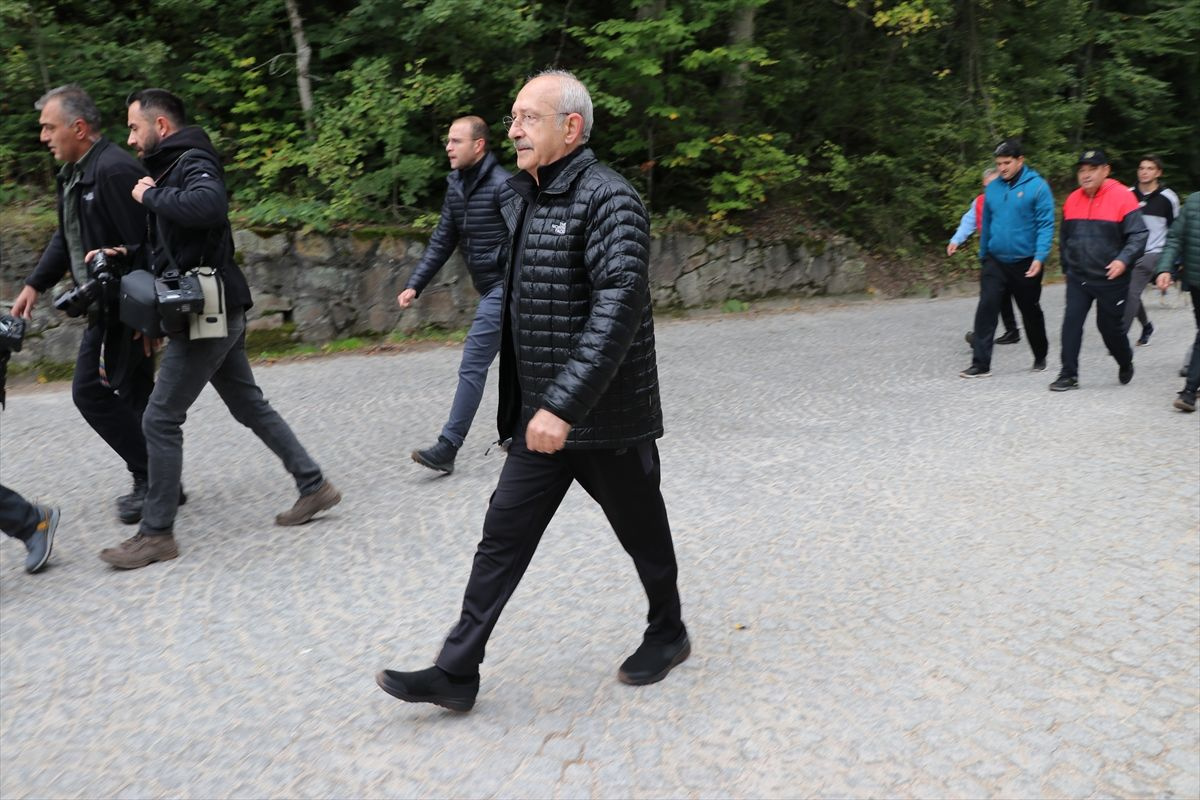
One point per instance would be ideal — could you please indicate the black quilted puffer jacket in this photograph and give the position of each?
(470, 216)
(584, 339)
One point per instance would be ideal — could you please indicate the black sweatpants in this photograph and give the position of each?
(626, 485)
(997, 279)
(1193, 373)
(1110, 298)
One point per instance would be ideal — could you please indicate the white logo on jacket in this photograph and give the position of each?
(559, 227)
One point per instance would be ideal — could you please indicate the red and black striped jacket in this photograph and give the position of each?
(1099, 229)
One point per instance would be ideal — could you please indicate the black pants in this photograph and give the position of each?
(18, 517)
(997, 279)
(116, 417)
(626, 485)
(1110, 298)
(1193, 375)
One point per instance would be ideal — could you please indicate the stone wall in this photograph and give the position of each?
(333, 287)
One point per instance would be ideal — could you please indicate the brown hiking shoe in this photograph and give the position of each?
(140, 551)
(309, 505)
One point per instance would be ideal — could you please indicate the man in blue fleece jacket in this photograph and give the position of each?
(1014, 241)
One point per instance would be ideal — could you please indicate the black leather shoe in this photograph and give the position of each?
(1125, 373)
(651, 662)
(39, 544)
(129, 506)
(431, 685)
(440, 457)
(1012, 337)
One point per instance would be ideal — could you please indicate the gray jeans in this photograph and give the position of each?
(1140, 274)
(479, 351)
(187, 366)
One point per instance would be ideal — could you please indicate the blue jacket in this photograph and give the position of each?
(1018, 218)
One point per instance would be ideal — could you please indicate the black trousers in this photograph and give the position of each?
(1193, 373)
(1110, 298)
(18, 516)
(996, 279)
(116, 417)
(626, 485)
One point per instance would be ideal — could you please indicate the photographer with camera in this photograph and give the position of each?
(113, 376)
(189, 228)
(33, 524)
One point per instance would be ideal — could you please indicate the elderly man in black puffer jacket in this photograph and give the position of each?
(578, 390)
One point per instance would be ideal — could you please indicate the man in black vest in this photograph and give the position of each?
(578, 390)
(189, 227)
(471, 221)
(113, 377)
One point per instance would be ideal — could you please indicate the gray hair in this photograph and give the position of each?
(573, 98)
(989, 172)
(75, 104)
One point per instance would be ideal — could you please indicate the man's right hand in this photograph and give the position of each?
(951, 249)
(406, 297)
(1163, 283)
(26, 300)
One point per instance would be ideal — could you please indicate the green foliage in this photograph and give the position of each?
(876, 115)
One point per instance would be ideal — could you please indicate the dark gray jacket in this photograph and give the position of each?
(584, 337)
(470, 216)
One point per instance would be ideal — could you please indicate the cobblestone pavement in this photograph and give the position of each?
(898, 583)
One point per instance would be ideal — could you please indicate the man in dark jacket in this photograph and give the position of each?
(578, 390)
(189, 227)
(1183, 245)
(1102, 235)
(113, 377)
(470, 217)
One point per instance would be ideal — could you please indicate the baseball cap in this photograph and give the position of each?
(1009, 148)
(1096, 158)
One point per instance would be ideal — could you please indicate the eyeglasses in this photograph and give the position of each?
(531, 120)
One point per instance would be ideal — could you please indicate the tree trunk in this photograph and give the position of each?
(303, 56)
(733, 82)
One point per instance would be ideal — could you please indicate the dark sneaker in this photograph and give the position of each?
(39, 544)
(129, 506)
(1125, 373)
(1039, 365)
(431, 685)
(309, 505)
(1012, 337)
(1147, 332)
(970, 337)
(651, 662)
(975, 372)
(440, 457)
(1064, 383)
(141, 550)
(1186, 401)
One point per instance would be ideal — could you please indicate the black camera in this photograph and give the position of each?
(75, 302)
(178, 297)
(12, 333)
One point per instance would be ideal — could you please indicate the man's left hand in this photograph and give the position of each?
(1115, 269)
(141, 186)
(1035, 267)
(546, 433)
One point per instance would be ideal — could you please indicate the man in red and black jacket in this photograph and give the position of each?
(1102, 235)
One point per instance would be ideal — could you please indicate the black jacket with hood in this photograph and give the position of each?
(189, 212)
